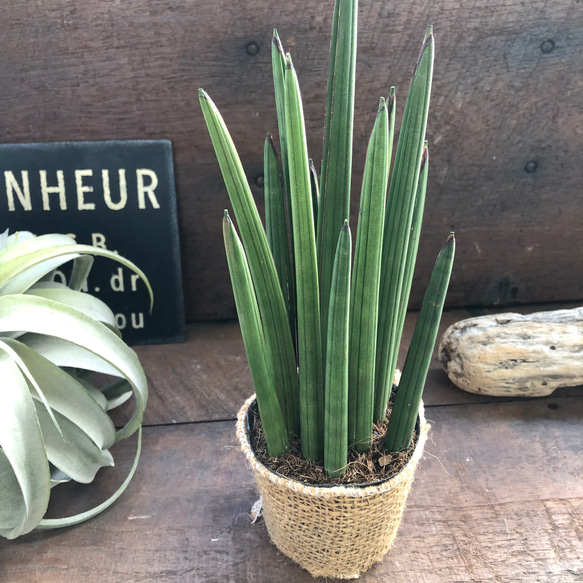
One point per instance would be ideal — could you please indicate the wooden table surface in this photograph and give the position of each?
(498, 496)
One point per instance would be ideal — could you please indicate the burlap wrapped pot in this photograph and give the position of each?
(338, 531)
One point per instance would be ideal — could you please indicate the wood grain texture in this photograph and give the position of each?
(207, 378)
(514, 355)
(498, 497)
(506, 94)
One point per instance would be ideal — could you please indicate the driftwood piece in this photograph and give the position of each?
(511, 354)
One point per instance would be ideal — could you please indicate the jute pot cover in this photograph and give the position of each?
(338, 531)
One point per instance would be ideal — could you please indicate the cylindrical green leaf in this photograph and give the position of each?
(408, 398)
(336, 169)
(365, 284)
(279, 344)
(307, 289)
(336, 383)
(278, 67)
(254, 341)
(399, 214)
(315, 188)
(278, 237)
(382, 397)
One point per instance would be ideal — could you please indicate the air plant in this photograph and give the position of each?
(321, 330)
(54, 425)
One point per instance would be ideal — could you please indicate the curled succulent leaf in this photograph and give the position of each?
(53, 421)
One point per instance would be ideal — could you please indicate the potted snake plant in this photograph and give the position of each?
(322, 329)
(54, 425)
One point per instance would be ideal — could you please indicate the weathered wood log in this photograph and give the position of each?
(511, 354)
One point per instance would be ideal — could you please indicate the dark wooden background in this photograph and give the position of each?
(505, 131)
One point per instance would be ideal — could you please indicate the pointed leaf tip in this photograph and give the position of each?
(450, 241)
(427, 42)
(424, 156)
(269, 140)
(275, 40)
(390, 102)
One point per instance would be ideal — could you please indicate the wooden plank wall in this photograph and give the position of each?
(505, 132)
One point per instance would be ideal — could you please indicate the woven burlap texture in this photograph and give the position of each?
(339, 531)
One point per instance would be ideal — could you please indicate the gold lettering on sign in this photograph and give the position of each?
(139, 323)
(98, 240)
(59, 189)
(123, 190)
(19, 192)
(116, 282)
(134, 278)
(148, 189)
(23, 193)
(137, 320)
(82, 189)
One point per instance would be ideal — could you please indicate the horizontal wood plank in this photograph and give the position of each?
(498, 497)
(504, 125)
(207, 378)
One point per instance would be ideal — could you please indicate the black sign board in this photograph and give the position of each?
(118, 195)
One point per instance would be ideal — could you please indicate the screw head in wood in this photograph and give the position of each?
(252, 48)
(531, 166)
(547, 46)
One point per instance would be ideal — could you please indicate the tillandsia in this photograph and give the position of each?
(321, 329)
(54, 425)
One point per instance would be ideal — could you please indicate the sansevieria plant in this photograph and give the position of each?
(322, 329)
(54, 425)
